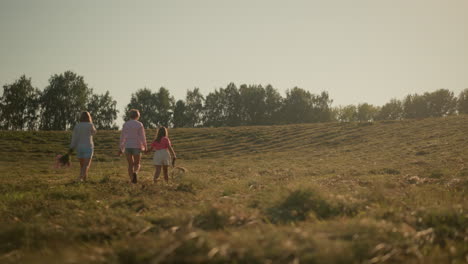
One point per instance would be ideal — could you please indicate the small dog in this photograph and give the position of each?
(62, 161)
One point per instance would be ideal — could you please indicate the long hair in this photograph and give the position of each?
(86, 117)
(162, 132)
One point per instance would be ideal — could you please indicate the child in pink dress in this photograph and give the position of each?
(162, 146)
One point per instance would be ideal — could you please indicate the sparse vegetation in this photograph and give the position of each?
(391, 192)
(301, 205)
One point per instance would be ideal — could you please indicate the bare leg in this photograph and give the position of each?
(157, 173)
(136, 163)
(130, 166)
(166, 174)
(82, 165)
(85, 168)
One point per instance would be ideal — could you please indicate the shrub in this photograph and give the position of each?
(437, 174)
(24, 235)
(447, 223)
(185, 187)
(299, 204)
(135, 252)
(133, 204)
(421, 153)
(210, 219)
(67, 195)
(385, 171)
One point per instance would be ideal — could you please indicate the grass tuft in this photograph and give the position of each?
(299, 205)
(211, 218)
(384, 192)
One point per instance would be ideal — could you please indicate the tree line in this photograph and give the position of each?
(439, 103)
(58, 105)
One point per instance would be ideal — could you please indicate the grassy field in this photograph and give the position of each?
(386, 192)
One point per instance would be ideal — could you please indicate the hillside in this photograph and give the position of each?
(313, 193)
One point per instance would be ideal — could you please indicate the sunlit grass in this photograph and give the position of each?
(388, 192)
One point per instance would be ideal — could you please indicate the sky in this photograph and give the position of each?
(358, 51)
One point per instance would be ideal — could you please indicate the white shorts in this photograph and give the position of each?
(162, 157)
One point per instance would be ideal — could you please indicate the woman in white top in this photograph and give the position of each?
(82, 142)
(133, 142)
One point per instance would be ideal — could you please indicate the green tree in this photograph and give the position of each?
(415, 106)
(223, 107)
(301, 106)
(462, 102)
(180, 118)
(436, 104)
(321, 108)
(273, 104)
(214, 113)
(165, 107)
(297, 106)
(194, 107)
(335, 112)
(155, 107)
(232, 105)
(366, 112)
(392, 110)
(146, 102)
(19, 105)
(103, 110)
(253, 104)
(347, 113)
(441, 103)
(63, 100)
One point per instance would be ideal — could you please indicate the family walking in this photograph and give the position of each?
(132, 144)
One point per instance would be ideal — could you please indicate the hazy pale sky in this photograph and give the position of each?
(358, 51)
